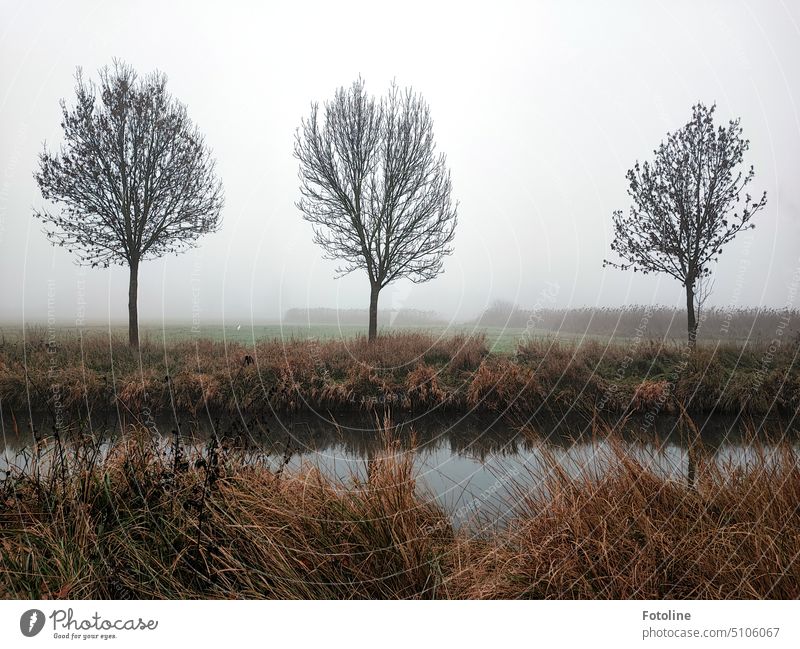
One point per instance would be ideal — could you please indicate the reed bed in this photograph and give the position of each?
(632, 534)
(147, 518)
(716, 324)
(408, 371)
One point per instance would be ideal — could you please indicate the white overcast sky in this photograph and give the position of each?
(540, 107)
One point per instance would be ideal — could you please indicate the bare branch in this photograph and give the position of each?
(133, 179)
(374, 187)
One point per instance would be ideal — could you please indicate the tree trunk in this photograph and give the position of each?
(691, 319)
(373, 311)
(133, 310)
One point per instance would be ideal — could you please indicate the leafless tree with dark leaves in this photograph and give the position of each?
(133, 179)
(687, 204)
(374, 187)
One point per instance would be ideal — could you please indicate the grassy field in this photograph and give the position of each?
(504, 330)
(500, 340)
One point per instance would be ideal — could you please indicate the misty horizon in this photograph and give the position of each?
(540, 118)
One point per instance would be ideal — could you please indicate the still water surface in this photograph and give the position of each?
(476, 468)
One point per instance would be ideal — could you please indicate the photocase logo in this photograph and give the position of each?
(31, 622)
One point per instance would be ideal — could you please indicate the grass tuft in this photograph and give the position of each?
(148, 518)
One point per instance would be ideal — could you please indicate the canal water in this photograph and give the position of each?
(479, 469)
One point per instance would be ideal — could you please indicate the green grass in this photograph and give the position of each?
(500, 340)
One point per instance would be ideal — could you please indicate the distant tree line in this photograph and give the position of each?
(360, 317)
(656, 321)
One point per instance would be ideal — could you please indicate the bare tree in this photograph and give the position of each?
(375, 189)
(133, 179)
(687, 204)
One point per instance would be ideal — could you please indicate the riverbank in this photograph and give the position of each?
(408, 372)
(147, 519)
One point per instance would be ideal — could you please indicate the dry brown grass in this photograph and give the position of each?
(283, 375)
(145, 522)
(631, 534)
(143, 519)
(409, 371)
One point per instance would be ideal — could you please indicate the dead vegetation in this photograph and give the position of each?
(408, 371)
(147, 518)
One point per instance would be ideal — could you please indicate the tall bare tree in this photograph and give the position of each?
(133, 179)
(374, 187)
(687, 204)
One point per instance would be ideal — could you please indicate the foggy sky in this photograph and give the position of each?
(540, 109)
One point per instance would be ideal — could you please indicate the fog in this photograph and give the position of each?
(540, 109)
